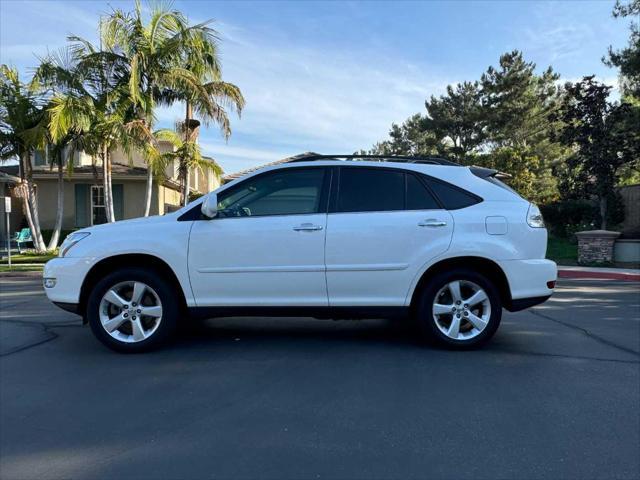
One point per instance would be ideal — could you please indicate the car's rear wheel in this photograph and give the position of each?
(132, 310)
(459, 309)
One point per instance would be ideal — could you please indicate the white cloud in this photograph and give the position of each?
(299, 98)
(243, 157)
(329, 101)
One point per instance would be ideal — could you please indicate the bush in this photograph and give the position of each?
(566, 217)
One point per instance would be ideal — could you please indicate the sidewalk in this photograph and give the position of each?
(624, 274)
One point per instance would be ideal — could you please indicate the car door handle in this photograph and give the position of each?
(307, 227)
(432, 222)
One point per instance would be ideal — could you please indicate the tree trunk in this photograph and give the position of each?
(184, 170)
(112, 214)
(603, 212)
(149, 192)
(55, 236)
(106, 181)
(31, 205)
(185, 187)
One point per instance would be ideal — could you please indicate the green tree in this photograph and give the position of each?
(519, 103)
(628, 59)
(210, 101)
(410, 138)
(457, 120)
(163, 60)
(186, 149)
(521, 112)
(91, 103)
(597, 130)
(21, 110)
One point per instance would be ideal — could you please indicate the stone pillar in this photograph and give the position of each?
(596, 246)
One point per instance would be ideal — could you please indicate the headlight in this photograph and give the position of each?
(70, 241)
(534, 217)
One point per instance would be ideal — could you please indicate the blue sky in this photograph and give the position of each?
(331, 77)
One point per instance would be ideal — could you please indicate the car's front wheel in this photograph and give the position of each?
(132, 310)
(459, 308)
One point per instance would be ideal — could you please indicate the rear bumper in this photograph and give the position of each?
(522, 303)
(529, 281)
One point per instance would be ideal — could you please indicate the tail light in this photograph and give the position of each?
(534, 217)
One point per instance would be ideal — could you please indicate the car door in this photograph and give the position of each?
(266, 245)
(383, 225)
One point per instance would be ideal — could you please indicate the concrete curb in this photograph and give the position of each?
(621, 274)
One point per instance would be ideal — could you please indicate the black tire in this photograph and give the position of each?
(424, 309)
(169, 303)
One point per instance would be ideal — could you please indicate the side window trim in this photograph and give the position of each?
(417, 176)
(423, 179)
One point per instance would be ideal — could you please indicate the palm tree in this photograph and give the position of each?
(54, 75)
(39, 137)
(165, 60)
(210, 101)
(91, 103)
(186, 151)
(20, 111)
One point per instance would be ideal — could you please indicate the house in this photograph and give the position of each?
(84, 192)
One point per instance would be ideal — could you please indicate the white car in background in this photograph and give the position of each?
(328, 236)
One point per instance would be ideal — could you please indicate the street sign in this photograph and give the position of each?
(6, 205)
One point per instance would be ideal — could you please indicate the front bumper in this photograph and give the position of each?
(69, 274)
(529, 281)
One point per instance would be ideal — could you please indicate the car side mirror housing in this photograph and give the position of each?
(210, 206)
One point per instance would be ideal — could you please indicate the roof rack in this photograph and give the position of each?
(310, 157)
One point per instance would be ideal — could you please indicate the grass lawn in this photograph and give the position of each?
(30, 258)
(562, 251)
(20, 268)
(19, 261)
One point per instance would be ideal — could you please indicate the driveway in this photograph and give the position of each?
(556, 394)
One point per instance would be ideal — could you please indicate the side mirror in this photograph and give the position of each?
(210, 206)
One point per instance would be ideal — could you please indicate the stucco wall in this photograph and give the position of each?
(133, 201)
(48, 201)
(167, 196)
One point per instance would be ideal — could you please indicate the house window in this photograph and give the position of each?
(40, 157)
(98, 210)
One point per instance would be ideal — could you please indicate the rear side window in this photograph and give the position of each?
(370, 190)
(418, 197)
(382, 190)
(452, 198)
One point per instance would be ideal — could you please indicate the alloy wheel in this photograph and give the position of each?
(461, 310)
(130, 311)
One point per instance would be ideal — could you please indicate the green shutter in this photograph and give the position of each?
(82, 204)
(118, 201)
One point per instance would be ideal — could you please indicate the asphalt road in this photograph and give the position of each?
(555, 395)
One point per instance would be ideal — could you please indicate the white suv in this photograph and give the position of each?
(325, 236)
